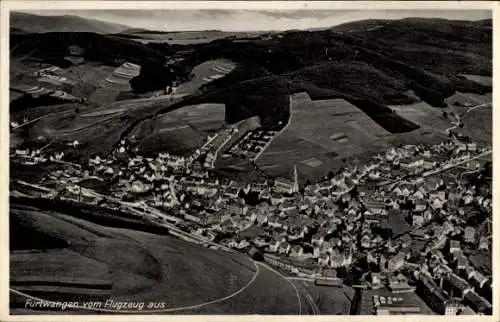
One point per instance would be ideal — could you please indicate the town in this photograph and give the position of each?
(413, 222)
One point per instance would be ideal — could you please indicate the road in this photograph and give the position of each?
(450, 166)
(313, 305)
(288, 281)
(31, 121)
(432, 172)
(467, 172)
(457, 123)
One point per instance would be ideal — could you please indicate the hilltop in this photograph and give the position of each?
(31, 23)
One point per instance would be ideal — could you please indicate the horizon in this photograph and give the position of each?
(186, 20)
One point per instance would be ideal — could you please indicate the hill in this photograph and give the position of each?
(376, 65)
(70, 255)
(32, 23)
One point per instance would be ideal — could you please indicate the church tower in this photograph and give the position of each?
(295, 188)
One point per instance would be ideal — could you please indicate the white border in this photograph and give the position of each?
(9, 5)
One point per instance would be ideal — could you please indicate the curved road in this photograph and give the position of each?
(456, 124)
(287, 280)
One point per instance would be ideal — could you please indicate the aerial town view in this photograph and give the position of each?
(238, 162)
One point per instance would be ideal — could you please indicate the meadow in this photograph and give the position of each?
(320, 134)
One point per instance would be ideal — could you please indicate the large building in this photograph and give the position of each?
(287, 186)
(397, 262)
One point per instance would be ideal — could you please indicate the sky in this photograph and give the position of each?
(252, 20)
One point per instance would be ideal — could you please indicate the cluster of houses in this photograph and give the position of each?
(333, 224)
(253, 143)
(417, 159)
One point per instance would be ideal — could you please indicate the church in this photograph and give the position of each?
(284, 185)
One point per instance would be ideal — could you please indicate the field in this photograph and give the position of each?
(84, 78)
(115, 83)
(319, 135)
(202, 117)
(143, 266)
(484, 80)
(460, 102)
(96, 129)
(425, 115)
(181, 131)
(205, 73)
(478, 125)
(186, 37)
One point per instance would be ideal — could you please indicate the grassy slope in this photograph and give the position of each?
(478, 125)
(148, 267)
(329, 300)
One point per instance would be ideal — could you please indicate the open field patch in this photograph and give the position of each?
(187, 37)
(424, 115)
(116, 82)
(202, 117)
(319, 135)
(312, 162)
(205, 73)
(478, 124)
(483, 80)
(461, 102)
(180, 131)
(181, 140)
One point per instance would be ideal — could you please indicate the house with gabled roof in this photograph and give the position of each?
(420, 205)
(455, 246)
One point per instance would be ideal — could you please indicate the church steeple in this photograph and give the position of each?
(295, 180)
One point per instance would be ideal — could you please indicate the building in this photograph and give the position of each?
(376, 281)
(417, 220)
(483, 243)
(397, 262)
(477, 303)
(399, 284)
(455, 285)
(286, 186)
(479, 280)
(332, 282)
(452, 308)
(455, 246)
(397, 309)
(469, 234)
(420, 205)
(434, 296)
(375, 207)
(461, 260)
(437, 203)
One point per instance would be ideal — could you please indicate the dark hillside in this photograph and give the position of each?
(375, 63)
(55, 45)
(32, 23)
(369, 63)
